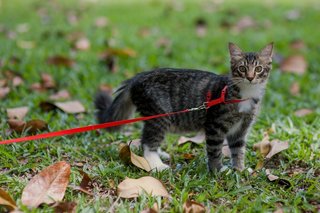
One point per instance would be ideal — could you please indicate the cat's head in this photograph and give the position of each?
(250, 67)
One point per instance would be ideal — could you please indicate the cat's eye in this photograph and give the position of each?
(242, 69)
(258, 69)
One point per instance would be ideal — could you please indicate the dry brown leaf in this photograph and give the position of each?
(86, 184)
(125, 52)
(32, 126)
(260, 164)
(188, 156)
(82, 44)
(127, 156)
(106, 88)
(17, 113)
(270, 176)
(37, 87)
(264, 146)
(4, 91)
(244, 23)
(297, 44)
(130, 188)
(294, 64)
(71, 107)
(7, 201)
(101, 22)
(48, 186)
(149, 210)
(60, 61)
(65, 207)
(191, 206)
(201, 27)
(295, 88)
(198, 139)
(303, 112)
(60, 95)
(226, 151)
(47, 81)
(277, 146)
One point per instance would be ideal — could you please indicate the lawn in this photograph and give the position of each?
(149, 34)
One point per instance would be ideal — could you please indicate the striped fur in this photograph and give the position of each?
(168, 90)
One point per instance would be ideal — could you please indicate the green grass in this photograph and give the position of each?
(227, 191)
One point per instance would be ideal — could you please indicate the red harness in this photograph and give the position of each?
(205, 105)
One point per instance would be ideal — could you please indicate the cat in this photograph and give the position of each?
(168, 90)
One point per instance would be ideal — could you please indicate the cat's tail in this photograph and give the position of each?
(120, 108)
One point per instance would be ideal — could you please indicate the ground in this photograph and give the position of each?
(32, 31)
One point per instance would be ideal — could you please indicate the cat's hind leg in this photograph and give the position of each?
(152, 136)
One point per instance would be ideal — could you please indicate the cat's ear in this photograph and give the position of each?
(267, 51)
(234, 50)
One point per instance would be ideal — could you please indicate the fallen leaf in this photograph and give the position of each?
(226, 151)
(297, 44)
(60, 61)
(135, 143)
(191, 206)
(130, 188)
(201, 27)
(260, 164)
(127, 156)
(106, 88)
(17, 113)
(149, 210)
(295, 88)
(60, 95)
(277, 146)
(125, 52)
(294, 64)
(166, 44)
(303, 112)
(48, 186)
(110, 61)
(86, 184)
(198, 139)
(47, 81)
(264, 146)
(4, 91)
(82, 44)
(3, 82)
(7, 201)
(244, 23)
(71, 107)
(270, 176)
(101, 22)
(37, 87)
(67, 207)
(32, 126)
(188, 156)
(17, 81)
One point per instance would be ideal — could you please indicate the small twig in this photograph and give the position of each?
(111, 209)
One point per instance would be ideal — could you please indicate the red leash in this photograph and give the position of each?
(205, 105)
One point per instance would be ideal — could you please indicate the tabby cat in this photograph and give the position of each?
(169, 90)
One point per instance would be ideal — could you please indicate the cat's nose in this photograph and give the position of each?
(250, 78)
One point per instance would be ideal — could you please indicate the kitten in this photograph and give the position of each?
(169, 90)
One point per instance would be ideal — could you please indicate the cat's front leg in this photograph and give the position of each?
(237, 143)
(237, 149)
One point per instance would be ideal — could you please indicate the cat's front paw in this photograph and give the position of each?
(160, 167)
(214, 167)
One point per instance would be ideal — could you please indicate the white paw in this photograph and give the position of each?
(160, 167)
(164, 155)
